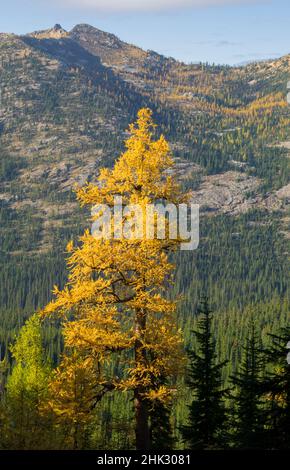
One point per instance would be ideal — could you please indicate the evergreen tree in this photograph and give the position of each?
(161, 428)
(249, 416)
(207, 415)
(276, 389)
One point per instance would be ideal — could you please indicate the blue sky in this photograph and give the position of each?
(220, 31)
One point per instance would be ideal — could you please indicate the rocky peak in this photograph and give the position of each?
(95, 37)
(58, 27)
(57, 32)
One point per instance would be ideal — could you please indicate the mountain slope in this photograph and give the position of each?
(67, 97)
(66, 101)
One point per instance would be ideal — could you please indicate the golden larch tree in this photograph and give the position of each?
(115, 299)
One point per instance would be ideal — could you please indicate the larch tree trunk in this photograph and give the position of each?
(142, 430)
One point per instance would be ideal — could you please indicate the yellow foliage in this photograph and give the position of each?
(115, 299)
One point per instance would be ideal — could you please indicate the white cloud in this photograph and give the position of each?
(148, 5)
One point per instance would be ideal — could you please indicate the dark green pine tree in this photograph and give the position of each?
(161, 432)
(277, 390)
(249, 416)
(161, 428)
(207, 416)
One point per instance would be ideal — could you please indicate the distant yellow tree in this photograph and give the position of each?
(115, 299)
(24, 426)
(72, 393)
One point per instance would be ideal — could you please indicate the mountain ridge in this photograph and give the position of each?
(110, 40)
